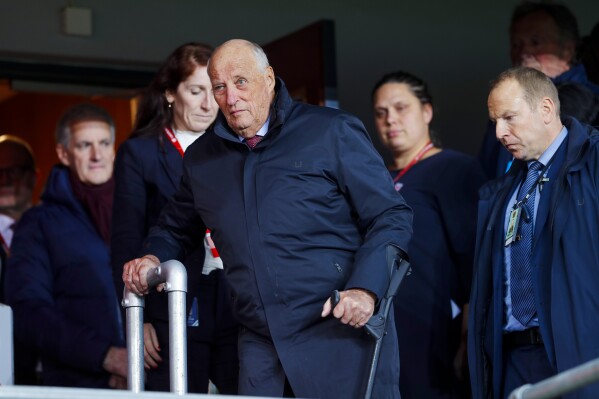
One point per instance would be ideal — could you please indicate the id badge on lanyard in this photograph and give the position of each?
(512, 226)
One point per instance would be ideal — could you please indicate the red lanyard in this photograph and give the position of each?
(173, 139)
(414, 161)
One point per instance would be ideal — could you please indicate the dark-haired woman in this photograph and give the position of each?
(441, 187)
(175, 110)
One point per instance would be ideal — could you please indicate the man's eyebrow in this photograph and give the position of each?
(506, 113)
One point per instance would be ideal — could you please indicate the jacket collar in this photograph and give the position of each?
(58, 190)
(578, 141)
(489, 189)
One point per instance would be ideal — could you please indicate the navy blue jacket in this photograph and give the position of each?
(60, 287)
(577, 74)
(309, 210)
(565, 267)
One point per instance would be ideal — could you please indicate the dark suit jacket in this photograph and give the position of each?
(60, 288)
(565, 265)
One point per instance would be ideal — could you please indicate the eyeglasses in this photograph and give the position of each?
(14, 173)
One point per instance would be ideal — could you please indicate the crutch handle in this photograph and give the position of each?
(335, 298)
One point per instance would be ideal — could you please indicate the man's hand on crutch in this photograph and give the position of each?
(355, 307)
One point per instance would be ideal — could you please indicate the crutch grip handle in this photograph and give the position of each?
(335, 298)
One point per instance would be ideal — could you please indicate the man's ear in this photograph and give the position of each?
(63, 155)
(547, 108)
(427, 111)
(270, 77)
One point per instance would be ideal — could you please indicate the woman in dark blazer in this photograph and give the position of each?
(441, 186)
(176, 109)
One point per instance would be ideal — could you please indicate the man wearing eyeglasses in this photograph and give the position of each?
(17, 180)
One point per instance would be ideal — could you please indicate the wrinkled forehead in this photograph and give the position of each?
(506, 98)
(233, 59)
(88, 128)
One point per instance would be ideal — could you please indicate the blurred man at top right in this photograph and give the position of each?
(545, 37)
(534, 299)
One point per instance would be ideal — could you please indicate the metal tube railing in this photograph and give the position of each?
(173, 274)
(6, 346)
(44, 392)
(134, 305)
(564, 382)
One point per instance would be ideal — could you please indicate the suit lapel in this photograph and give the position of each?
(546, 194)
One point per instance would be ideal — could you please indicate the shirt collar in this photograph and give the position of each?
(552, 149)
(262, 131)
(6, 223)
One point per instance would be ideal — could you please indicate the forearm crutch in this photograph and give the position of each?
(377, 324)
(173, 274)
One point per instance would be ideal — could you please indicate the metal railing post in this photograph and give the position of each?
(6, 346)
(173, 274)
(564, 382)
(134, 306)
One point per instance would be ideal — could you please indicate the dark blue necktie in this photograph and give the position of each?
(523, 301)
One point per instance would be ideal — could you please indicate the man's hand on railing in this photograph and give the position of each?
(135, 274)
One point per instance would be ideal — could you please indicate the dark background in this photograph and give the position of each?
(456, 46)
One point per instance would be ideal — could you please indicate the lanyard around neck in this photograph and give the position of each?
(173, 139)
(414, 161)
(541, 179)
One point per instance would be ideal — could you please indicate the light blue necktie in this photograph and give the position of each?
(523, 301)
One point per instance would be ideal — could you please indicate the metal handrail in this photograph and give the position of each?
(45, 392)
(564, 382)
(7, 373)
(173, 274)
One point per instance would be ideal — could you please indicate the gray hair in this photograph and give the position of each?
(79, 113)
(261, 58)
(259, 54)
(535, 85)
